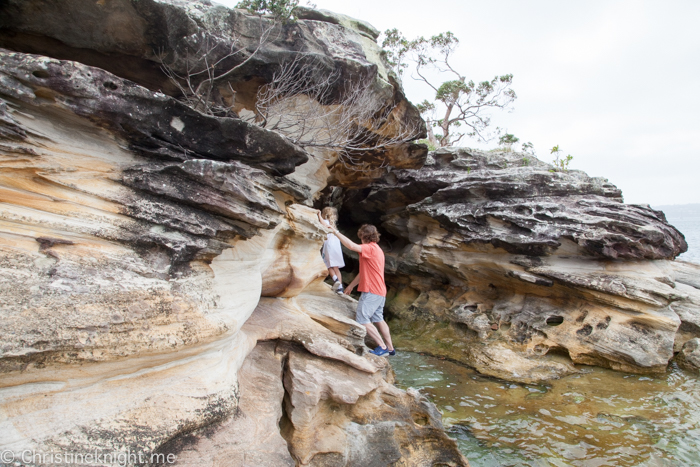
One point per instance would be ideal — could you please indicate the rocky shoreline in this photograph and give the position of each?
(508, 260)
(160, 274)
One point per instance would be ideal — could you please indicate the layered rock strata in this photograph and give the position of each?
(146, 249)
(303, 406)
(511, 260)
(135, 40)
(160, 272)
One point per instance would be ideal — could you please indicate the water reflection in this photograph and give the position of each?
(597, 418)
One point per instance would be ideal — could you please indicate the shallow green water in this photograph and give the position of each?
(597, 418)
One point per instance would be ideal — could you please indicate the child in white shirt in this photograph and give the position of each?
(332, 252)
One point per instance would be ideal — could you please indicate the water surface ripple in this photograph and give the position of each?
(596, 418)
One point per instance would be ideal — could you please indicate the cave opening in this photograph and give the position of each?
(352, 214)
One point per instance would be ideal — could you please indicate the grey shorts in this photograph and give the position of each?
(370, 308)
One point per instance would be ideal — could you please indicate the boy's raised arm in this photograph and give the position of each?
(347, 242)
(344, 240)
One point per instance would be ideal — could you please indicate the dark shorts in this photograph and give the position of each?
(370, 308)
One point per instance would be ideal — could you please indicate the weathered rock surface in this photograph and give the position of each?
(339, 416)
(102, 231)
(147, 248)
(251, 436)
(521, 261)
(524, 208)
(133, 40)
(122, 37)
(302, 402)
(689, 356)
(153, 124)
(160, 275)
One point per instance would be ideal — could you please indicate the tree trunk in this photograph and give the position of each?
(445, 141)
(431, 135)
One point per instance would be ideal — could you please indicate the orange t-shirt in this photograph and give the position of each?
(372, 269)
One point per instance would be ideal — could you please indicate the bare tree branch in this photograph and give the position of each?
(295, 104)
(460, 101)
(203, 60)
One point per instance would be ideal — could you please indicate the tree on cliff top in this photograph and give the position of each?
(282, 10)
(461, 102)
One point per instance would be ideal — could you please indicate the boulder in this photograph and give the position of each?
(689, 357)
(516, 255)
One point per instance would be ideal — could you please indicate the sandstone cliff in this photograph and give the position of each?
(160, 277)
(159, 267)
(508, 260)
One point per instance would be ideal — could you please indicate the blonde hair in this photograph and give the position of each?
(330, 214)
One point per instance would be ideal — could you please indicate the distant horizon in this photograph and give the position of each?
(685, 204)
(686, 219)
(667, 205)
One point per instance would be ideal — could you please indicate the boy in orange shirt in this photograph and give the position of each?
(370, 308)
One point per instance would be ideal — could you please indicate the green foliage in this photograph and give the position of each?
(462, 100)
(451, 90)
(561, 164)
(425, 106)
(526, 161)
(431, 146)
(528, 148)
(282, 10)
(395, 48)
(507, 140)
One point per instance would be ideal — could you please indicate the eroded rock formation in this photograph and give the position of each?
(134, 40)
(307, 398)
(510, 260)
(160, 275)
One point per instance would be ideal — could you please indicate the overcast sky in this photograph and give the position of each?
(613, 83)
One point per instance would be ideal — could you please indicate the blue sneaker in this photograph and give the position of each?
(379, 351)
(392, 353)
